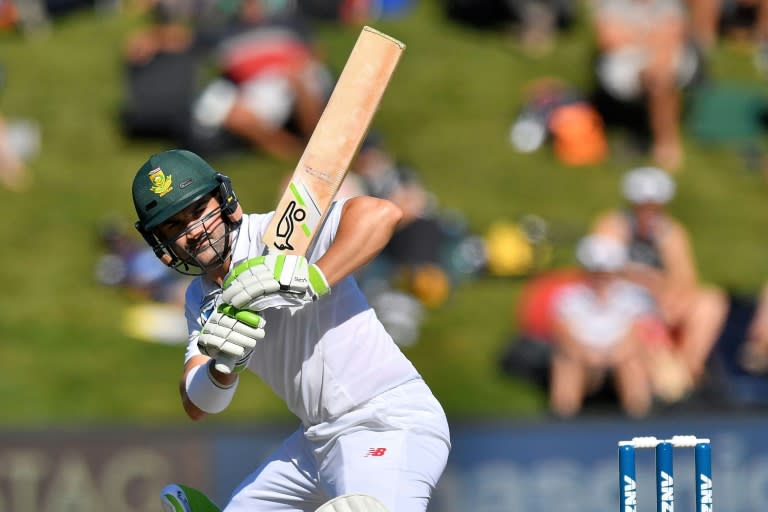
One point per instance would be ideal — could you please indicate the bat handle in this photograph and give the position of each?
(224, 363)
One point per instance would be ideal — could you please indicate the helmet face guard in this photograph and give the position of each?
(188, 261)
(168, 183)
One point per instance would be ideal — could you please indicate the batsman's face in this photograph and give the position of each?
(198, 233)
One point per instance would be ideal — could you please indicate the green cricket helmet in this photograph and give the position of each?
(168, 183)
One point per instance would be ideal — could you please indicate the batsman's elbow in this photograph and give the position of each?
(396, 213)
(366, 212)
(389, 214)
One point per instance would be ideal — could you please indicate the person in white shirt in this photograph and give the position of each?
(597, 331)
(369, 423)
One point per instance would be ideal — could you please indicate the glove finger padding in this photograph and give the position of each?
(230, 331)
(248, 281)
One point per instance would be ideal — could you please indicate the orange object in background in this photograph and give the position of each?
(534, 310)
(578, 133)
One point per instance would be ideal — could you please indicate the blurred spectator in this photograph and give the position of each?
(268, 93)
(646, 56)
(131, 265)
(529, 352)
(29, 16)
(737, 367)
(156, 312)
(538, 22)
(433, 249)
(599, 329)
(13, 174)
(272, 87)
(746, 20)
(429, 254)
(738, 20)
(754, 355)
(662, 260)
(414, 254)
(383, 176)
(704, 15)
(172, 26)
(19, 141)
(707, 347)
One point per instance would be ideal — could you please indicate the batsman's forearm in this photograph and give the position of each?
(365, 228)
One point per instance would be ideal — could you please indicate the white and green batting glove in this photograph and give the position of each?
(181, 498)
(273, 281)
(229, 336)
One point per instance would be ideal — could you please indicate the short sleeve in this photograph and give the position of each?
(328, 230)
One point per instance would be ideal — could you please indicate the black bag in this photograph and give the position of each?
(159, 95)
(478, 13)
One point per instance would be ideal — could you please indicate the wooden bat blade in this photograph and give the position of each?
(334, 142)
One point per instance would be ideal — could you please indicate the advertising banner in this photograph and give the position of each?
(118, 471)
(573, 466)
(563, 466)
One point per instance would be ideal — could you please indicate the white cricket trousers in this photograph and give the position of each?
(393, 447)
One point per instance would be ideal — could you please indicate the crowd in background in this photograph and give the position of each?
(633, 323)
(218, 76)
(636, 311)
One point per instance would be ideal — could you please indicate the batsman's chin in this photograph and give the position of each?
(203, 263)
(208, 265)
(208, 255)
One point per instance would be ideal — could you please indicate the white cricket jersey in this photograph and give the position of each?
(322, 359)
(603, 321)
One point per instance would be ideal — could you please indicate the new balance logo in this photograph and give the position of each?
(630, 494)
(376, 452)
(705, 493)
(667, 492)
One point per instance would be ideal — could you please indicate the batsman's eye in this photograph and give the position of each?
(200, 209)
(171, 229)
(197, 209)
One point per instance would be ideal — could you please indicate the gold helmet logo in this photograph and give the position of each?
(161, 184)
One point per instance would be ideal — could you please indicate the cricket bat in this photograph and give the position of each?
(333, 144)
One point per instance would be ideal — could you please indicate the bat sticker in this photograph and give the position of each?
(292, 214)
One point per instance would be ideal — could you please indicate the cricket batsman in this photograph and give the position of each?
(370, 426)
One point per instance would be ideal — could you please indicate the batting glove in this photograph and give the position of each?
(272, 281)
(229, 336)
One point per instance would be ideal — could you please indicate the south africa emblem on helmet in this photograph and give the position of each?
(161, 184)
